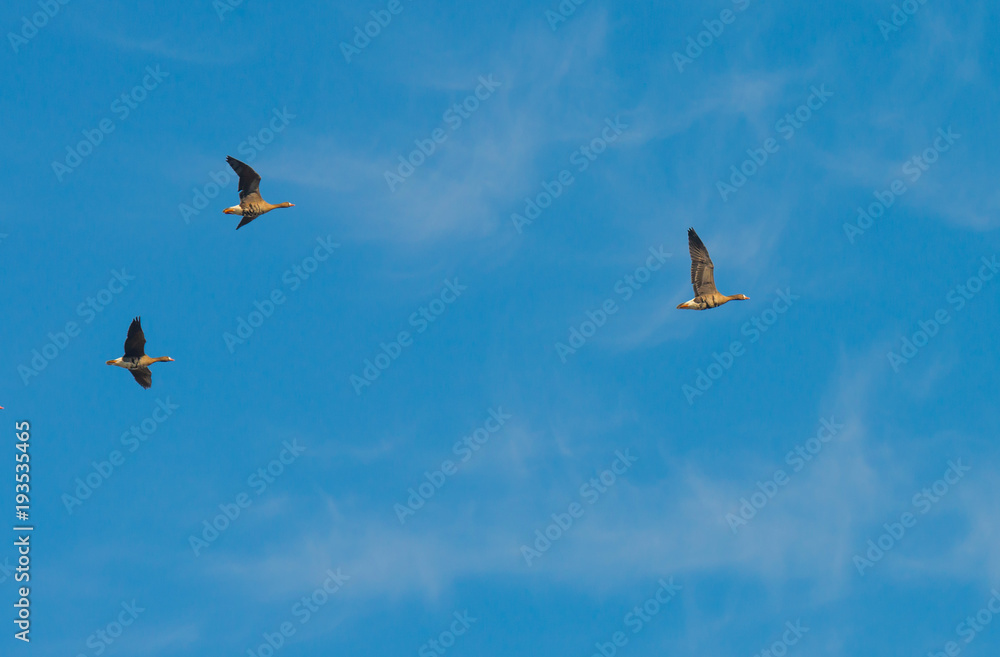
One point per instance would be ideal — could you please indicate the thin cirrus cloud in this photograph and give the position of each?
(470, 184)
(809, 531)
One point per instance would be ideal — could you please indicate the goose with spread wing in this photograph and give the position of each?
(703, 278)
(251, 204)
(135, 359)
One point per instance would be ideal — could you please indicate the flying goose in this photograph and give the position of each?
(135, 359)
(703, 278)
(251, 204)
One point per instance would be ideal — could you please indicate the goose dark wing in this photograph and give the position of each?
(135, 343)
(247, 218)
(249, 180)
(702, 269)
(143, 376)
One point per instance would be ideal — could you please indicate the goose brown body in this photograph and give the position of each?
(252, 205)
(706, 295)
(135, 359)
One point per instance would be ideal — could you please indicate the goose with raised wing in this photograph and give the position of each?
(135, 359)
(703, 278)
(251, 204)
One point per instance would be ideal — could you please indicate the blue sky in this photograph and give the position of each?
(438, 370)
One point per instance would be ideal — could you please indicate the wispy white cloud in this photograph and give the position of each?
(645, 529)
(466, 188)
(201, 51)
